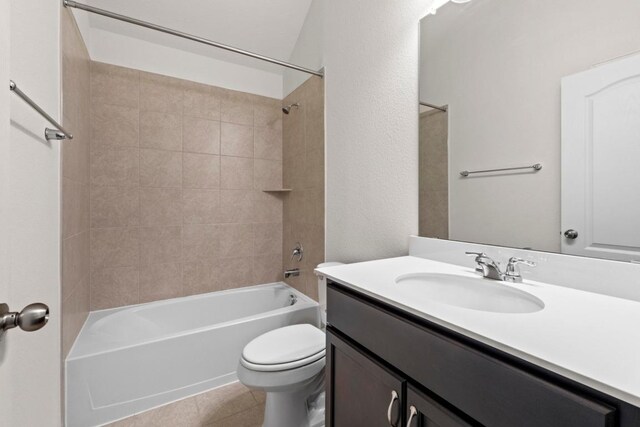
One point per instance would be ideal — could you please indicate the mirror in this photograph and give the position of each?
(530, 125)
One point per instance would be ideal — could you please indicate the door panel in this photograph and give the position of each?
(422, 411)
(600, 157)
(360, 392)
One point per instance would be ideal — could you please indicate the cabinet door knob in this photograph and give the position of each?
(412, 413)
(571, 234)
(394, 398)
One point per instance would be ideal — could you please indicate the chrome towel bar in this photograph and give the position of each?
(49, 134)
(535, 167)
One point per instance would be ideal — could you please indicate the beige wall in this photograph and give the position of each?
(498, 65)
(303, 173)
(434, 175)
(75, 181)
(177, 172)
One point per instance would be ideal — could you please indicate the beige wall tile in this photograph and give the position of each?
(114, 206)
(267, 143)
(237, 107)
(160, 245)
(114, 85)
(160, 130)
(293, 143)
(313, 207)
(114, 247)
(160, 93)
(201, 243)
(235, 273)
(236, 173)
(314, 169)
(76, 115)
(267, 239)
(200, 135)
(160, 206)
(115, 167)
(303, 171)
(267, 207)
(75, 153)
(267, 112)
(235, 240)
(200, 206)
(114, 126)
(75, 207)
(114, 287)
(267, 174)
(267, 268)
(175, 186)
(75, 262)
(200, 277)
(160, 168)
(236, 206)
(201, 101)
(236, 140)
(200, 170)
(160, 281)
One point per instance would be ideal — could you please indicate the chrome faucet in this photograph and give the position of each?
(294, 272)
(487, 266)
(491, 269)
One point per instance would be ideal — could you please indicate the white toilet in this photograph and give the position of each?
(288, 364)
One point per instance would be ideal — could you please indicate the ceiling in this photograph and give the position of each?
(269, 28)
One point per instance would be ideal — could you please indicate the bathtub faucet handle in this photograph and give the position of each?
(297, 253)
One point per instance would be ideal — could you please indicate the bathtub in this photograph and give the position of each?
(131, 359)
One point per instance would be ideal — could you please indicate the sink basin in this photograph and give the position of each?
(470, 292)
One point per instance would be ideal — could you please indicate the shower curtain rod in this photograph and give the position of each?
(108, 14)
(426, 104)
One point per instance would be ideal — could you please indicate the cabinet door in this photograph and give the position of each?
(360, 392)
(422, 411)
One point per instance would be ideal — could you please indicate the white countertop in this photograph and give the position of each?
(590, 338)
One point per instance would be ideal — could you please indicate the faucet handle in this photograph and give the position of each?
(513, 272)
(476, 254)
(479, 256)
(513, 261)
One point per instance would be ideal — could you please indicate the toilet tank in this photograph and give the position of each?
(322, 289)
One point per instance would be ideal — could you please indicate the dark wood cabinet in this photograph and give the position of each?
(424, 411)
(363, 392)
(449, 379)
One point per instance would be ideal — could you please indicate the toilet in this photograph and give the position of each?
(288, 364)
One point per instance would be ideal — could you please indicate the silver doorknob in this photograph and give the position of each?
(571, 234)
(31, 318)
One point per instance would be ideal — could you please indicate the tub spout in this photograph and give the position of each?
(294, 272)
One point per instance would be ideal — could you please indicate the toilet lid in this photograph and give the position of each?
(285, 348)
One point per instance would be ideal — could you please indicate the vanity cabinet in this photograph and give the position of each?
(367, 394)
(375, 349)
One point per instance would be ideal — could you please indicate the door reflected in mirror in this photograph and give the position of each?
(530, 125)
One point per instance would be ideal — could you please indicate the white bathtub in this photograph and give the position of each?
(131, 359)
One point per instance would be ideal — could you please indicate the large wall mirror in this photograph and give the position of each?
(530, 125)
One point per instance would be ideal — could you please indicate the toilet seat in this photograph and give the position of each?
(285, 348)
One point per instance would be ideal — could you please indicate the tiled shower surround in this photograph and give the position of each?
(177, 173)
(75, 181)
(304, 175)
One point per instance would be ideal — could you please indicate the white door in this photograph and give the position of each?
(29, 213)
(601, 161)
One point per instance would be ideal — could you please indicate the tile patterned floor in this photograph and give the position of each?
(233, 405)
